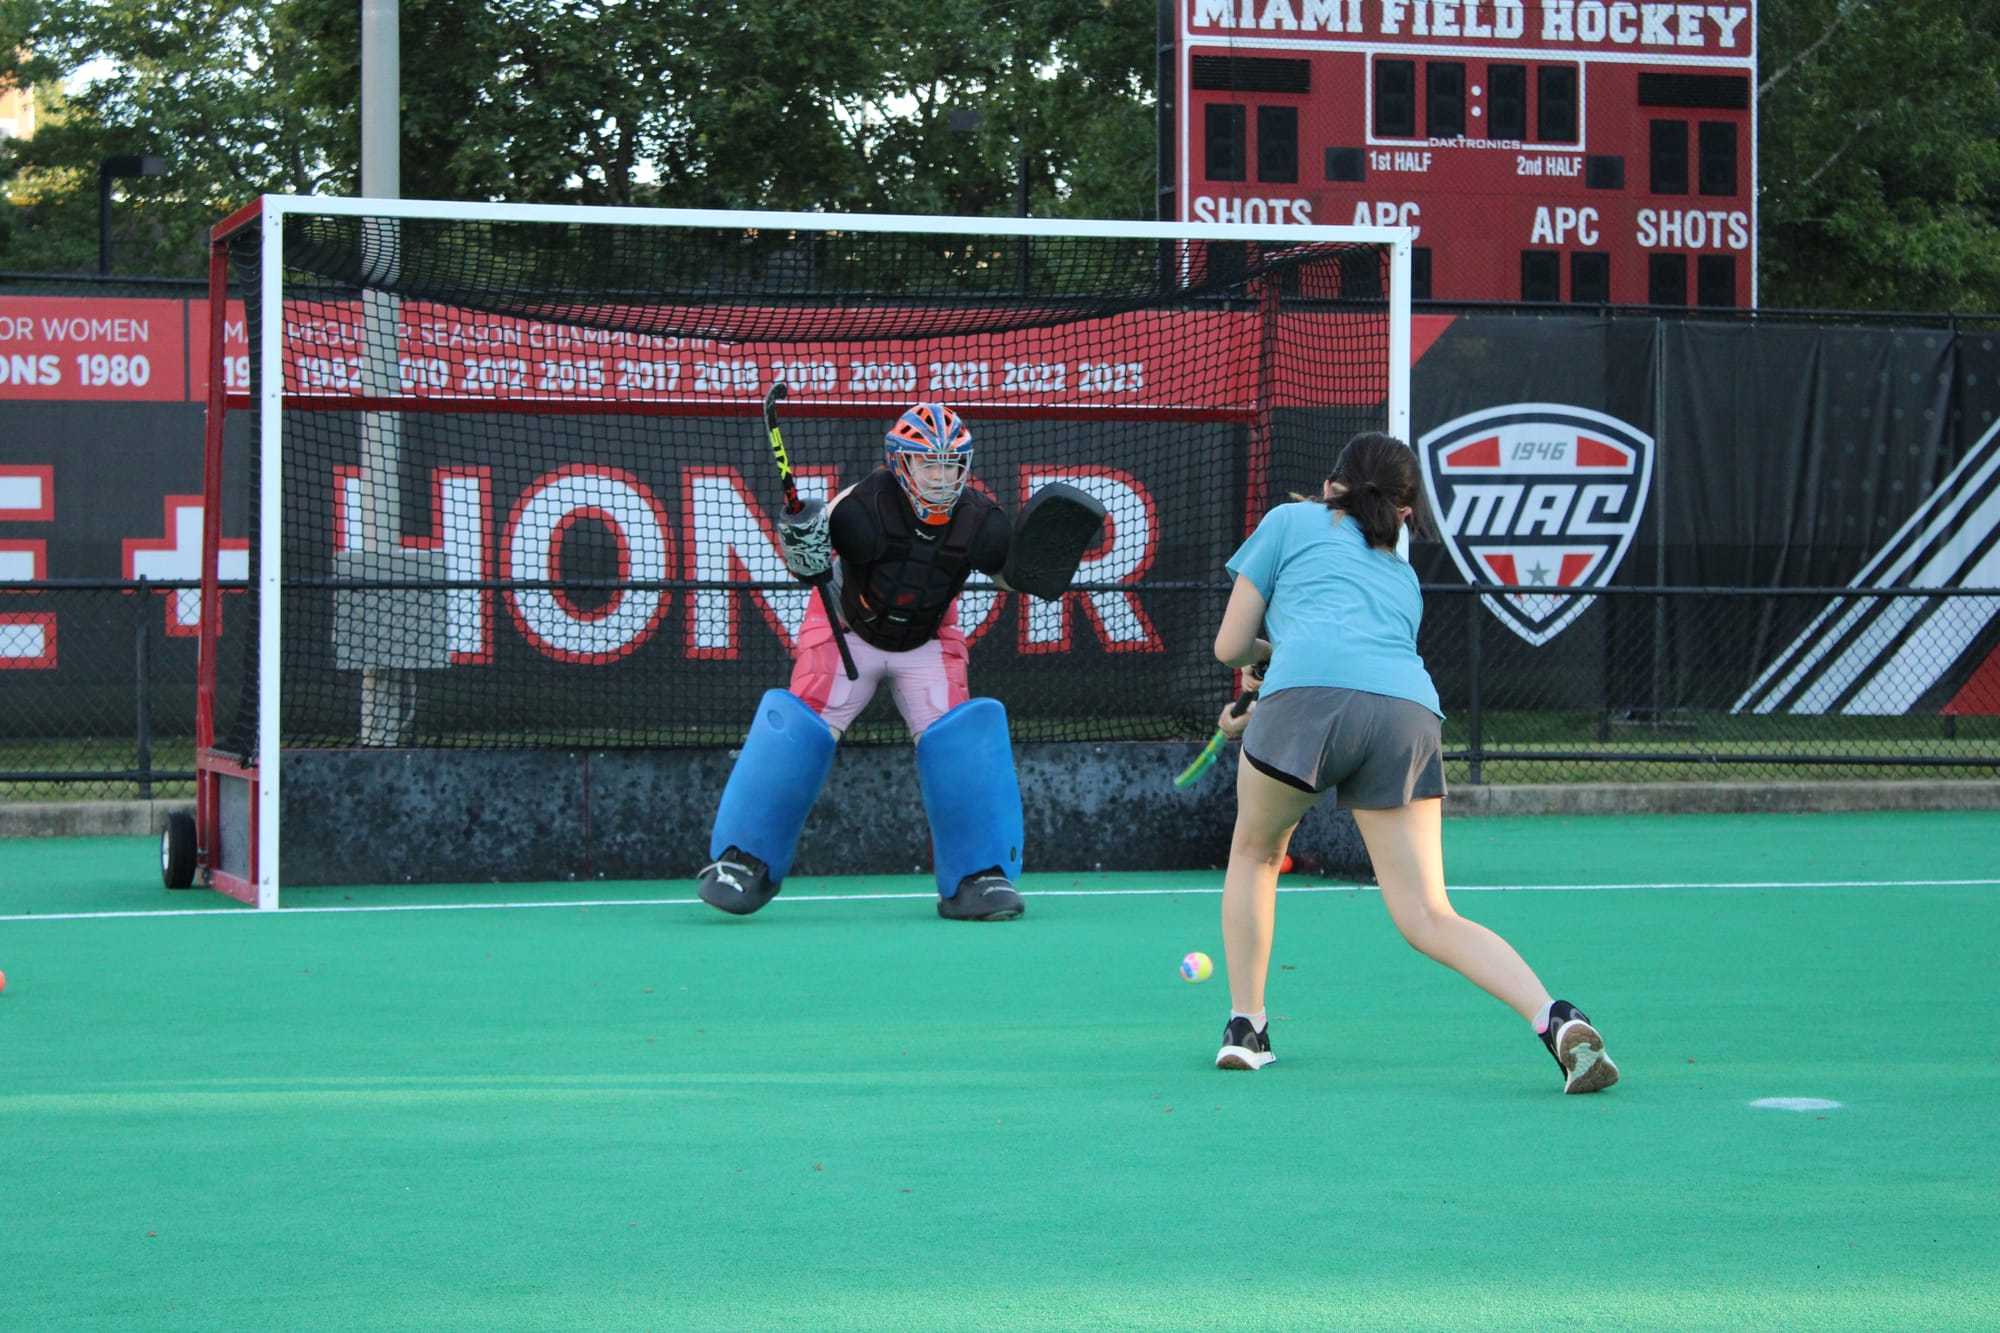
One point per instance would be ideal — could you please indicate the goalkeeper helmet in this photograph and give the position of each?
(931, 452)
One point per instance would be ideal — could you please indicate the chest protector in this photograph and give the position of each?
(897, 600)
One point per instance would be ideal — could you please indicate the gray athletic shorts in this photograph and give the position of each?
(1374, 752)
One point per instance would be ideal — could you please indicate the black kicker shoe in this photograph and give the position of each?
(736, 882)
(986, 896)
(1578, 1050)
(1244, 1047)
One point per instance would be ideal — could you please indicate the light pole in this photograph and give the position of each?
(110, 169)
(970, 120)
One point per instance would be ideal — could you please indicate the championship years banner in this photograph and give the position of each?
(1576, 453)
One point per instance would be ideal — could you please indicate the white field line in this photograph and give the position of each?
(227, 913)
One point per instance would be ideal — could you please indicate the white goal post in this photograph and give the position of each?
(503, 453)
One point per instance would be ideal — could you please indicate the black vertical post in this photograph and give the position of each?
(108, 170)
(144, 670)
(1021, 85)
(1474, 741)
(1660, 438)
(1021, 278)
(1659, 659)
(1611, 622)
(1166, 69)
(1166, 73)
(103, 219)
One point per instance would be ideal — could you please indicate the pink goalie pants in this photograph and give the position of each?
(927, 681)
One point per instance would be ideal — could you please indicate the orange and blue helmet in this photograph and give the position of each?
(931, 452)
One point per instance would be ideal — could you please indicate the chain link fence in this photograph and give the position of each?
(1721, 685)
(117, 721)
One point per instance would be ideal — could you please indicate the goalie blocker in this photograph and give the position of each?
(1051, 533)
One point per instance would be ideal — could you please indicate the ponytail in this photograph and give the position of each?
(1374, 480)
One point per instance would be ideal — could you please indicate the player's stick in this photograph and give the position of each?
(1206, 759)
(793, 504)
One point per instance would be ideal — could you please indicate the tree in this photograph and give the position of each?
(203, 85)
(1879, 170)
(789, 104)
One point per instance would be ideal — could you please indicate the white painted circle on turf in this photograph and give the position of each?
(1795, 1104)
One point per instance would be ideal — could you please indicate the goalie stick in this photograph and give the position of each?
(1203, 761)
(793, 504)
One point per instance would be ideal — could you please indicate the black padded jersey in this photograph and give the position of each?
(898, 576)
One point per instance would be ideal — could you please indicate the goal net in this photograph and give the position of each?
(506, 484)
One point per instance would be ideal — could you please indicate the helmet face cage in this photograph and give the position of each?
(931, 452)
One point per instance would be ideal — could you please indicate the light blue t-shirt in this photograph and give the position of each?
(1337, 611)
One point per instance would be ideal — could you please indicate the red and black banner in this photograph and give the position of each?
(1568, 457)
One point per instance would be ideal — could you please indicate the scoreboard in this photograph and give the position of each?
(1544, 150)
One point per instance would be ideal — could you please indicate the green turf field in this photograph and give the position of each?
(609, 1107)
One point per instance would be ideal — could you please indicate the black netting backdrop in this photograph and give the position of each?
(528, 496)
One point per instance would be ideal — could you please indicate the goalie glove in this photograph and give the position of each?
(807, 542)
(1051, 534)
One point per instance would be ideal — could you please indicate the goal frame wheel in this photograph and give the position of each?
(177, 851)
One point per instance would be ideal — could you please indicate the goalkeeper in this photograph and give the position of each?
(897, 547)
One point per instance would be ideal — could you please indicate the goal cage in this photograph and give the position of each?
(505, 483)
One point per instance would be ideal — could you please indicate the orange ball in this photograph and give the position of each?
(3, 981)
(1286, 867)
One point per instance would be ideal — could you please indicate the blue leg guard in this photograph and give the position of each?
(971, 796)
(777, 777)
